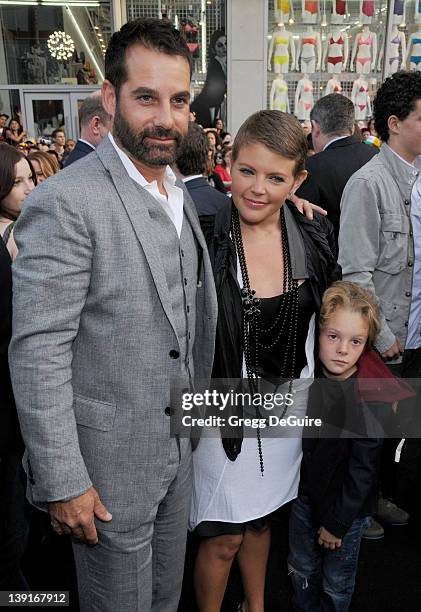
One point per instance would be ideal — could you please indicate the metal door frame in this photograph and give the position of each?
(69, 96)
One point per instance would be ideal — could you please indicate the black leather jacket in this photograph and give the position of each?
(339, 474)
(322, 270)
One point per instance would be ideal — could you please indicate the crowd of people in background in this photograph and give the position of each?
(265, 279)
(60, 148)
(13, 133)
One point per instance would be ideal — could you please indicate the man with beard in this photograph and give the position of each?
(114, 301)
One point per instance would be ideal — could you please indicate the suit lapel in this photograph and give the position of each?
(133, 198)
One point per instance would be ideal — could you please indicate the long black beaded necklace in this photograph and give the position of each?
(252, 325)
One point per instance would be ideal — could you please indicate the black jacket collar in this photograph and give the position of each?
(343, 142)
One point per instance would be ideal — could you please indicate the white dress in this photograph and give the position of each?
(236, 491)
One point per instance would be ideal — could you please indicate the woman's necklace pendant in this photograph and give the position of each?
(250, 303)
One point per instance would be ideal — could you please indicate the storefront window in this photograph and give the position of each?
(408, 15)
(318, 47)
(10, 102)
(203, 25)
(54, 42)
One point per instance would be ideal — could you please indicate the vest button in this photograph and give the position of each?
(185, 281)
(406, 323)
(407, 294)
(406, 202)
(174, 354)
(410, 264)
(167, 411)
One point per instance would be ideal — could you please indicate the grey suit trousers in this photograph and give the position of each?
(141, 570)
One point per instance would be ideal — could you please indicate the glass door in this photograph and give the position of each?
(46, 112)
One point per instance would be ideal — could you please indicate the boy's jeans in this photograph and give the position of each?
(323, 580)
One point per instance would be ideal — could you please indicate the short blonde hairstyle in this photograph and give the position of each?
(350, 296)
(279, 132)
(48, 163)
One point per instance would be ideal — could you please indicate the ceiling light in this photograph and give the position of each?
(60, 45)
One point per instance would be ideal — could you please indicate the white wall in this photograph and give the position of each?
(247, 36)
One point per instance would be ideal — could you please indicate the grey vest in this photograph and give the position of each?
(180, 260)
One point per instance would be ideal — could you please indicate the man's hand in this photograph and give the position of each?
(328, 540)
(394, 352)
(76, 517)
(305, 207)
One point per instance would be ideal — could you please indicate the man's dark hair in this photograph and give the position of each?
(58, 131)
(157, 34)
(193, 153)
(335, 114)
(92, 107)
(397, 96)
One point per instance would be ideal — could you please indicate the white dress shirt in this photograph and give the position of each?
(88, 143)
(186, 179)
(334, 140)
(173, 204)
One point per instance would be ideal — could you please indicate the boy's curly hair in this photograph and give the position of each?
(350, 296)
(398, 96)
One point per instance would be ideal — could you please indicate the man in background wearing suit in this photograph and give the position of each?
(113, 307)
(191, 163)
(338, 155)
(94, 125)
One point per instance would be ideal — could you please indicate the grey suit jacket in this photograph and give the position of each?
(93, 329)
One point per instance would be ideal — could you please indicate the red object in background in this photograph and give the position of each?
(340, 7)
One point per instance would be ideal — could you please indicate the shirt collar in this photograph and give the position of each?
(334, 140)
(133, 172)
(87, 142)
(186, 179)
(417, 160)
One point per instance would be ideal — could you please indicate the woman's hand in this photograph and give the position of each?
(328, 540)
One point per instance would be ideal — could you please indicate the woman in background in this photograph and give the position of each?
(17, 180)
(223, 168)
(213, 178)
(44, 165)
(15, 133)
(219, 126)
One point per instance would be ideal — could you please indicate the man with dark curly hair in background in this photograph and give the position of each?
(381, 213)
